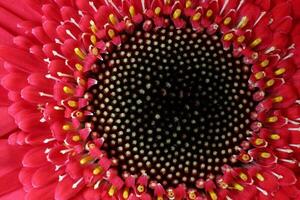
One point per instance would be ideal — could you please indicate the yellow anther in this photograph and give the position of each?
(272, 119)
(209, 13)
(125, 193)
(131, 11)
(76, 138)
(192, 195)
(241, 39)
(228, 36)
(79, 114)
(112, 190)
(245, 157)
(227, 21)
(68, 90)
(79, 67)
(259, 141)
(243, 176)
(160, 198)
(176, 13)
(79, 53)
(97, 170)
(111, 33)
(265, 63)
(255, 42)
(188, 4)
(72, 103)
(93, 27)
(275, 137)
(280, 71)
(95, 51)
(270, 83)
(66, 127)
(243, 22)
(157, 10)
(265, 155)
(140, 188)
(238, 187)
(213, 195)
(196, 16)
(93, 39)
(278, 99)
(112, 18)
(260, 177)
(85, 160)
(259, 75)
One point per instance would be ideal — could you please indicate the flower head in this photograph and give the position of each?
(149, 99)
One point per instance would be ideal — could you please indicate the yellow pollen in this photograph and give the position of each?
(160, 198)
(141, 188)
(68, 90)
(111, 33)
(188, 4)
(66, 127)
(270, 83)
(259, 141)
(255, 42)
(79, 67)
(93, 27)
(168, 2)
(265, 155)
(209, 13)
(76, 138)
(228, 36)
(213, 195)
(227, 21)
(243, 176)
(260, 177)
(112, 190)
(278, 99)
(241, 39)
(196, 16)
(272, 119)
(131, 11)
(243, 22)
(259, 75)
(238, 187)
(275, 137)
(265, 63)
(97, 170)
(112, 18)
(125, 193)
(95, 51)
(176, 13)
(85, 160)
(280, 71)
(157, 10)
(72, 103)
(79, 53)
(93, 39)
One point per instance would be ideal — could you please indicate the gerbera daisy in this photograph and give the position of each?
(149, 99)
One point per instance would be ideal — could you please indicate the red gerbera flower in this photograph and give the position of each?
(149, 99)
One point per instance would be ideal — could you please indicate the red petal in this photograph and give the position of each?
(23, 60)
(43, 176)
(64, 190)
(35, 158)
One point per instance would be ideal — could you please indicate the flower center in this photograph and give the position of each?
(172, 103)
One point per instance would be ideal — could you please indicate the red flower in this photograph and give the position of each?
(54, 99)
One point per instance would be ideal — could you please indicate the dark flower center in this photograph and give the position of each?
(172, 103)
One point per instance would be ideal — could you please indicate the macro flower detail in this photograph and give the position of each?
(149, 99)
